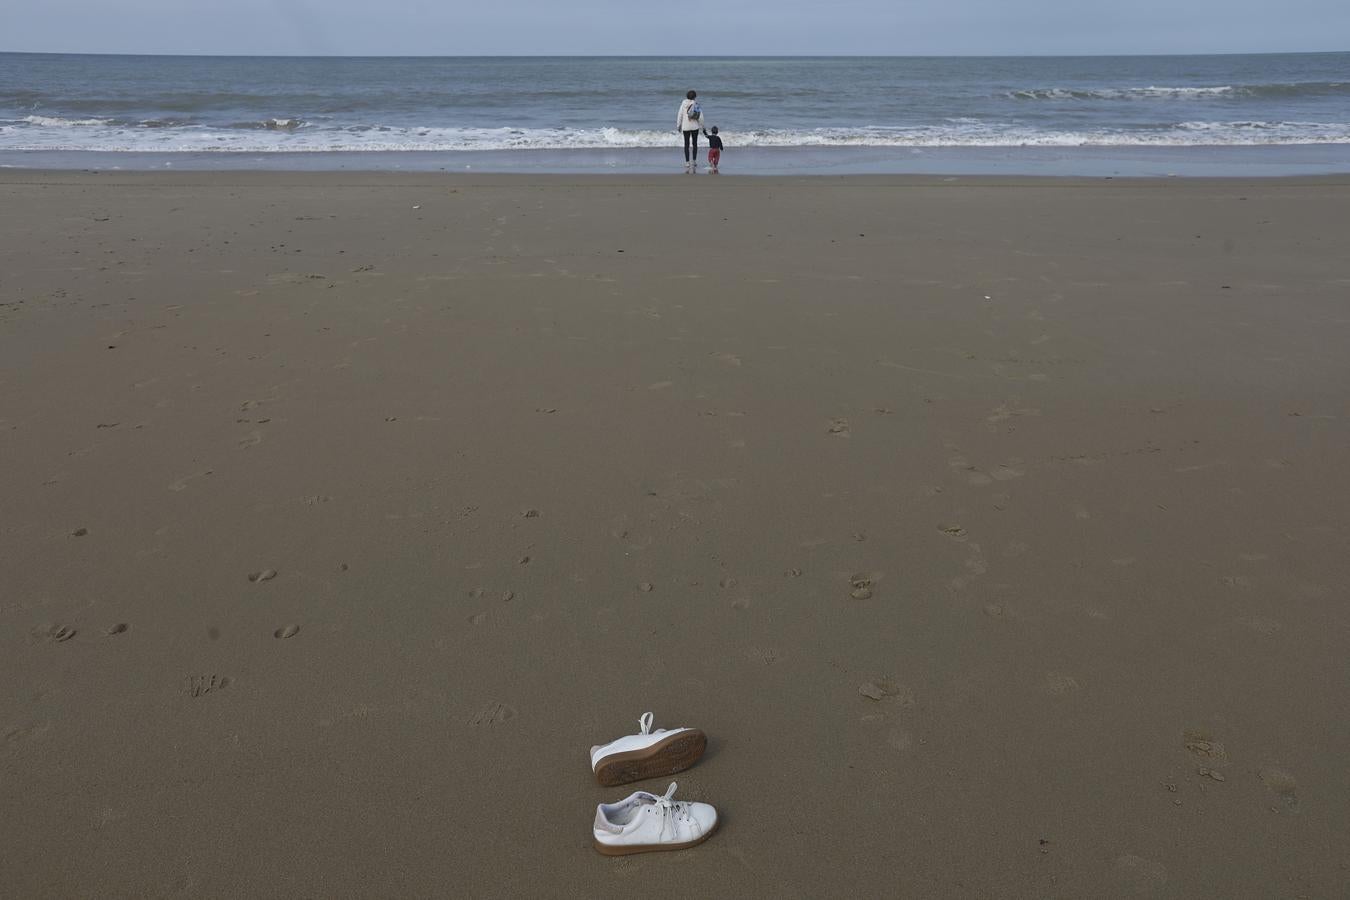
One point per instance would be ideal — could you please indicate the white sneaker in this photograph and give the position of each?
(648, 754)
(645, 822)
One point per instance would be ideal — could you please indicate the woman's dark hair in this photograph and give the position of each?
(691, 95)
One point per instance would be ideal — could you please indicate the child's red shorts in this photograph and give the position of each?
(714, 156)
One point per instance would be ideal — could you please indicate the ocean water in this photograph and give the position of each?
(1290, 111)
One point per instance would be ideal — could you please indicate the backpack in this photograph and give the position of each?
(695, 112)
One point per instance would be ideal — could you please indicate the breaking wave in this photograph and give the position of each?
(293, 134)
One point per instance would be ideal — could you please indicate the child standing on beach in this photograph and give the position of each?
(714, 149)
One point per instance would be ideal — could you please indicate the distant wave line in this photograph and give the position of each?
(1153, 92)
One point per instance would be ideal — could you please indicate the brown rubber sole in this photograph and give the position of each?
(608, 850)
(666, 757)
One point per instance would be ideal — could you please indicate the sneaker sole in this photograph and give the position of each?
(627, 849)
(666, 757)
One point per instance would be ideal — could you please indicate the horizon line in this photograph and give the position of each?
(206, 54)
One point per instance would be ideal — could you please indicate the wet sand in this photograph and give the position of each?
(993, 529)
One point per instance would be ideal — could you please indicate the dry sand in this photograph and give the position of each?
(1055, 469)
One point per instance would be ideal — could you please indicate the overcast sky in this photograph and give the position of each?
(673, 27)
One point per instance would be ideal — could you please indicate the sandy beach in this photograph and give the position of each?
(994, 530)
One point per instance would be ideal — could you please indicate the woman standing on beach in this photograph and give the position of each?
(689, 121)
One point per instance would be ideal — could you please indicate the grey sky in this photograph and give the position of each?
(679, 28)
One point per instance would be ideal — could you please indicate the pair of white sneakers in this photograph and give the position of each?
(643, 821)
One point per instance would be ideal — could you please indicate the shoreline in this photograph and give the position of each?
(1087, 162)
(403, 179)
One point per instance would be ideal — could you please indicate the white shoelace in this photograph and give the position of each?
(670, 809)
(645, 723)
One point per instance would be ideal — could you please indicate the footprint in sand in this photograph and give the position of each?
(286, 632)
(264, 575)
(253, 439)
(1260, 624)
(1059, 683)
(492, 714)
(182, 483)
(765, 656)
(872, 691)
(740, 603)
(55, 634)
(1201, 744)
(726, 582)
(860, 584)
(956, 532)
(1281, 783)
(201, 685)
(1005, 411)
(884, 688)
(839, 428)
(119, 628)
(31, 732)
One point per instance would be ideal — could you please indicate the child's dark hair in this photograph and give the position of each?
(714, 129)
(691, 95)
